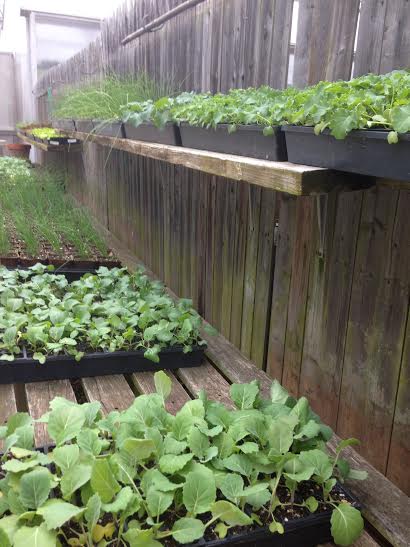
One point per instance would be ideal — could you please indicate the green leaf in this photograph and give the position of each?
(74, 478)
(278, 394)
(66, 456)
(188, 530)
(320, 462)
(345, 443)
(232, 487)
(121, 501)
(9, 526)
(4, 539)
(19, 419)
(172, 446)
(16, 466)
(158, 502)
(93, 511)
(137, 450)
(346, 524)
(141, 538)
(154, 478)
(35, 487)
(400, 117)
(244, 395)
(249, 448)
(239, 463)
(57, 512)
(357, 475)
(276, 527)
(65, 423)
(171, 464)
(103, 481)
(199, 492)
(88, 441)
(37, 536)
(230, 514)
(312, 504)
(163, 384)
(198, 442)
(280, 436)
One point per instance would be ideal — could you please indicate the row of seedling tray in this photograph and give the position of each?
(365, 152)
(91, 324)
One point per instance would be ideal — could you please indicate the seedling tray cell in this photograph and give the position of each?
(150, 133)
(247, 140)
(363, 152)
(60, 367)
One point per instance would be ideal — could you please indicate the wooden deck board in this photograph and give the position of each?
(281, 176)
(39, 395)
(113, 392)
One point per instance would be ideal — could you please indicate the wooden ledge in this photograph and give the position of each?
(286, 177)
(49, 147)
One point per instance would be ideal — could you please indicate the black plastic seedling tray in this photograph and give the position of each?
(247, 140)
(84, 126)
(113, 129)
(150, 133)
(61, 367)
(71, 270)
(299, 532)
(363, 152)
(65, 125)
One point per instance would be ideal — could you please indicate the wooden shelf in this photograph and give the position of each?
(50, 147)
(281, 176)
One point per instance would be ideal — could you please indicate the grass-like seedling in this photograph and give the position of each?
(36, 211)
(104, 100)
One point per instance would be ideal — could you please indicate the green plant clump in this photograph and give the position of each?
(35, 208)
(46, 133)
(146, 478)
(104, 100)
(13, 169)
(371, 101)
(110, 311)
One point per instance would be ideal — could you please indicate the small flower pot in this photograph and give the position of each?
(18, 150)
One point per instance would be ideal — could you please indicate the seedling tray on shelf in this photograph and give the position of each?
(114, 129)
(84, 126)
(247, 140)
(365, 152)
(61, 367)
(150, 133)
(299, 532)
(72, 270)
(65, 125)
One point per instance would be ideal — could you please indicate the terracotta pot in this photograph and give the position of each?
(19, 150)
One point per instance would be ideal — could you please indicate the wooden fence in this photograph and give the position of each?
(322, 305)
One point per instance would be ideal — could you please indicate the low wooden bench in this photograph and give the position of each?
(385, 508)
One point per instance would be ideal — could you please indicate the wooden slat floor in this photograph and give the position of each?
(118, 392)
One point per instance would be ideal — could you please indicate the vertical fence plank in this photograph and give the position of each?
(281, 286)
(399, 455)
(263, 289)
(305, 211)
(254, 201)
(328, 305)
(376, 326)
(383, 41)
(325, 40)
